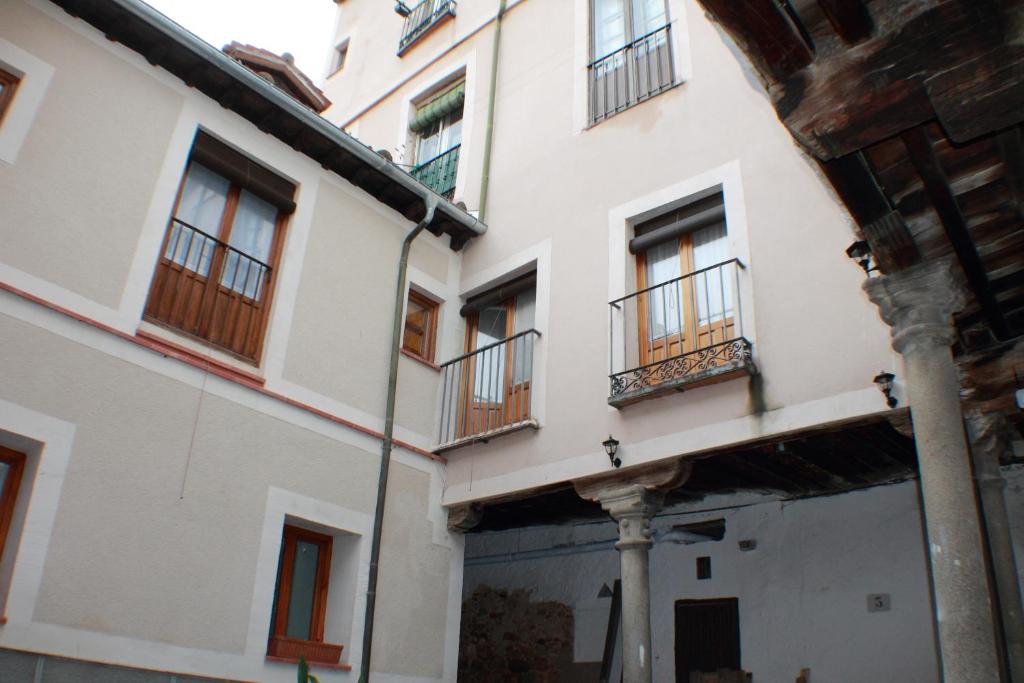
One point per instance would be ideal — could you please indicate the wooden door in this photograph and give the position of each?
(707, 638)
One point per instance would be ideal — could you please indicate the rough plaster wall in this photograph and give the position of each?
(129, 554)
(411, 615)
(802, 592)
(506, 636)
(66, 227)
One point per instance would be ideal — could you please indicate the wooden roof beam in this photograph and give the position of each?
(849, 18)
(936, 185)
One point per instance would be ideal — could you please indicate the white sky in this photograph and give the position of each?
(303, 27)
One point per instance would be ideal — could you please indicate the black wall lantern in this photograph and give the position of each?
(860, 252)
(402, 9)
(611, 447)
(884, 380)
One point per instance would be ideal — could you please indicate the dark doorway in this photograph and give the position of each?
(707, 636)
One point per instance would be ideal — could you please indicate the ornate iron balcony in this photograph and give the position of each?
(488, 392)
(422, 18)
(439, 173)
(678, 334)
(631, 74)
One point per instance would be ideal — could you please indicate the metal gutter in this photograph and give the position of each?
(485, 176)
(389, 429)
(281, 100)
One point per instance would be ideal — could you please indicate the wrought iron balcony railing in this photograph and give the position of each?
(488, 392)
(439, 173)
(422, 18)
(631, 74)
(209, 289)
(677, 334)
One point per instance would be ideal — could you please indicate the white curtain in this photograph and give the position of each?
(522, 347)
(202, 203)
(664, 314)
(714, 287)
(609, 27)
(488, 385)
(252, 233)
(648, 15)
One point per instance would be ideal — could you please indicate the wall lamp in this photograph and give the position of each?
(402, 9)
(611, 447)
(860, 251)
(884, 380)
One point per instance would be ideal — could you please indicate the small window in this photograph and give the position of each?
(12, 464)
(216, 271)
(420, 326)
(300, 598)
(8, 86)
(340, 54)
(436, 128)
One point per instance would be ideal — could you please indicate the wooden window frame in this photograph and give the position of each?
(280, 644)
(429, 333)
(10, 84)
(684, 341)
(203, 308)
(9, 494)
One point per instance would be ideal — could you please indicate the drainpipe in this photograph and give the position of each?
(485, 176)
(389, 427)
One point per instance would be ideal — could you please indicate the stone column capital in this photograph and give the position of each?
(990, 441)
(918, 303)
(633, 496)
(462, 518)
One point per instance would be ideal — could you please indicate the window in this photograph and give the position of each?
(630, 55)
(683, 324)
(421, 19)
(340, 54)
(489, 389)
(420, 326)
(300, 598)
(12, 464)
(436, 127)
(8, 86)
(215, 275)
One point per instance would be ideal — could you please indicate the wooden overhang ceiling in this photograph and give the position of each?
(913, 109)
(825, 462)
(226, 82)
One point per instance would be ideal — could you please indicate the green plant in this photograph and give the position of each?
(304, 675)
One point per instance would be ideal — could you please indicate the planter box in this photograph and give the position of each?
(293, 648)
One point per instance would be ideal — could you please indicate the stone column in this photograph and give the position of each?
(989, 441)
(918, 304)
(632, 498)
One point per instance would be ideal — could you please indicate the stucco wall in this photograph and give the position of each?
(86, 172)
(569, 191)
(802, 592)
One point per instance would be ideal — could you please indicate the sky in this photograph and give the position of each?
(304, 28)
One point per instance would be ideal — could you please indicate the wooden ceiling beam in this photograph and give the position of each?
(922, 156)
(849, 18)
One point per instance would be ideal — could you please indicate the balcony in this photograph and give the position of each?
(211, 290)
(680, 334)
(488, 392)
(631, 74)
(439, 173)
(422, 19)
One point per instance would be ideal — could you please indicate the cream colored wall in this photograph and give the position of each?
(86, 172)
(818, 342)
(162, 551)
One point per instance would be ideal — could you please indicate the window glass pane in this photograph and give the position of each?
(489, 365)
(252, 234)
(417, 320)
(300, 603)
(429, 143)
(5, 469)
(664, 316)
(522, 348)
(609, 27)
(714, 287)
(201, 206)
(452, 135)
(648, 15)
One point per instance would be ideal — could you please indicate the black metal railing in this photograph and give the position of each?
(685, 329)
(488, 391)
(184, 294)
(422, 18)
(631, 74)
(439, 173)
